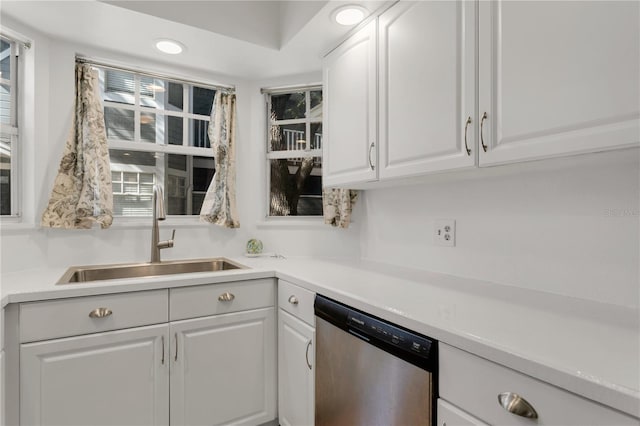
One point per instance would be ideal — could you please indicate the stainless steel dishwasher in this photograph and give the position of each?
(371, 372)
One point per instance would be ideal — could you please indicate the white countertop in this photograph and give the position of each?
(589, 348)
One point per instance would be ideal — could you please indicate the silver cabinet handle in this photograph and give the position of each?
(175, 358)
(100, 313)
(226, 297)
(466, 125)
(306, 354)
(162, 361)
(293, 300)
(373, 144)
(484, 117)
(515, 404)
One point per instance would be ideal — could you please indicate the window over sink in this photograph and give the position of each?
(157, 133)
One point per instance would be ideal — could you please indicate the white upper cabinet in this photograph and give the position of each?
(349, 111)
(468, 83)
(427, 87)
(557, 78)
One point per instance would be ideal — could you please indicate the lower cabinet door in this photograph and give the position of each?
(296, 360)
(114, 378)
(449, 415)
(223, 369)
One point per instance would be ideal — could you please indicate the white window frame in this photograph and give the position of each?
(160, 147)
(298, 153)
(12, 129)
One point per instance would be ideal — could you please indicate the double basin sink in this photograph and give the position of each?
(81, 274)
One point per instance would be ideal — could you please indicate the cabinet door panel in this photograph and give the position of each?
(427, 87)
(296, 347)
(450, 415)
(349, 110)
(224, 372)
(558, 77)
(114, 378)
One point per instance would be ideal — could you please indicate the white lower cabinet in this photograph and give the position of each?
(296, 356)
(296, 374)
(474, 384)
(223, 369)
(113, 378)
(122, 359)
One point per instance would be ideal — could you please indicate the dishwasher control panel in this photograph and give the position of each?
(396, 340)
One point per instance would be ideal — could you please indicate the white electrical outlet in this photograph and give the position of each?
(444, 232)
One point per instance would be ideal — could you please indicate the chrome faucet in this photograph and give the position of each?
(158, 214)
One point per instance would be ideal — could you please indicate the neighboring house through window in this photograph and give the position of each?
(9, 127)
(157, 133)
(294, 151)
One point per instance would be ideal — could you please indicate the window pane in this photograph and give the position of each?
(148, 127)
(202, 100)
(316, 135)
(203, 171)
(5, 104)
(288, 137)
(296, 187)
(176, 184)
(134, 196)
(287, 106)
(160, 94)
(198, 135)
(119, 123)
(316, 101)
(5, 174)
(175, 99)
(5, 59)
(174, 130)
(118, 86)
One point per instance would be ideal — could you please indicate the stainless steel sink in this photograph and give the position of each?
(81, 274)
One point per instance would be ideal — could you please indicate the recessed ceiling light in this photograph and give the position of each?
(170, 47)
(350, 14)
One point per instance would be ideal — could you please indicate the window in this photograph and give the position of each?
(8, 127)
(157, 133)
(294, 152)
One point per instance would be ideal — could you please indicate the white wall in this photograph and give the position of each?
(27, 246)
(567, 226)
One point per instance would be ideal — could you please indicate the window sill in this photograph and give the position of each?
(147, 222)
(292, 223)
(15, 224)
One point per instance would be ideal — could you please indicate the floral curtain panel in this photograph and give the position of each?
(82, 193)
(337, 205)
(219, 205)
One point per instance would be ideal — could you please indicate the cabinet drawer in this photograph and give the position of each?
(204, 300)
(297, 301)
(70, 317)
(473, 384)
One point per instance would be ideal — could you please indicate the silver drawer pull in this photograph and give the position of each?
(515, 404)
(226, 297)
(293, 300)
(100, 313)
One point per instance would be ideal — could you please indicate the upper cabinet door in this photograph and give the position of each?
(427, 87)
(350, 142)
(557, 78)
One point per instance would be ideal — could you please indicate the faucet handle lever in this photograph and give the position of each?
(167, 243)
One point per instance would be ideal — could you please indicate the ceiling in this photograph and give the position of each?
(246, 39)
